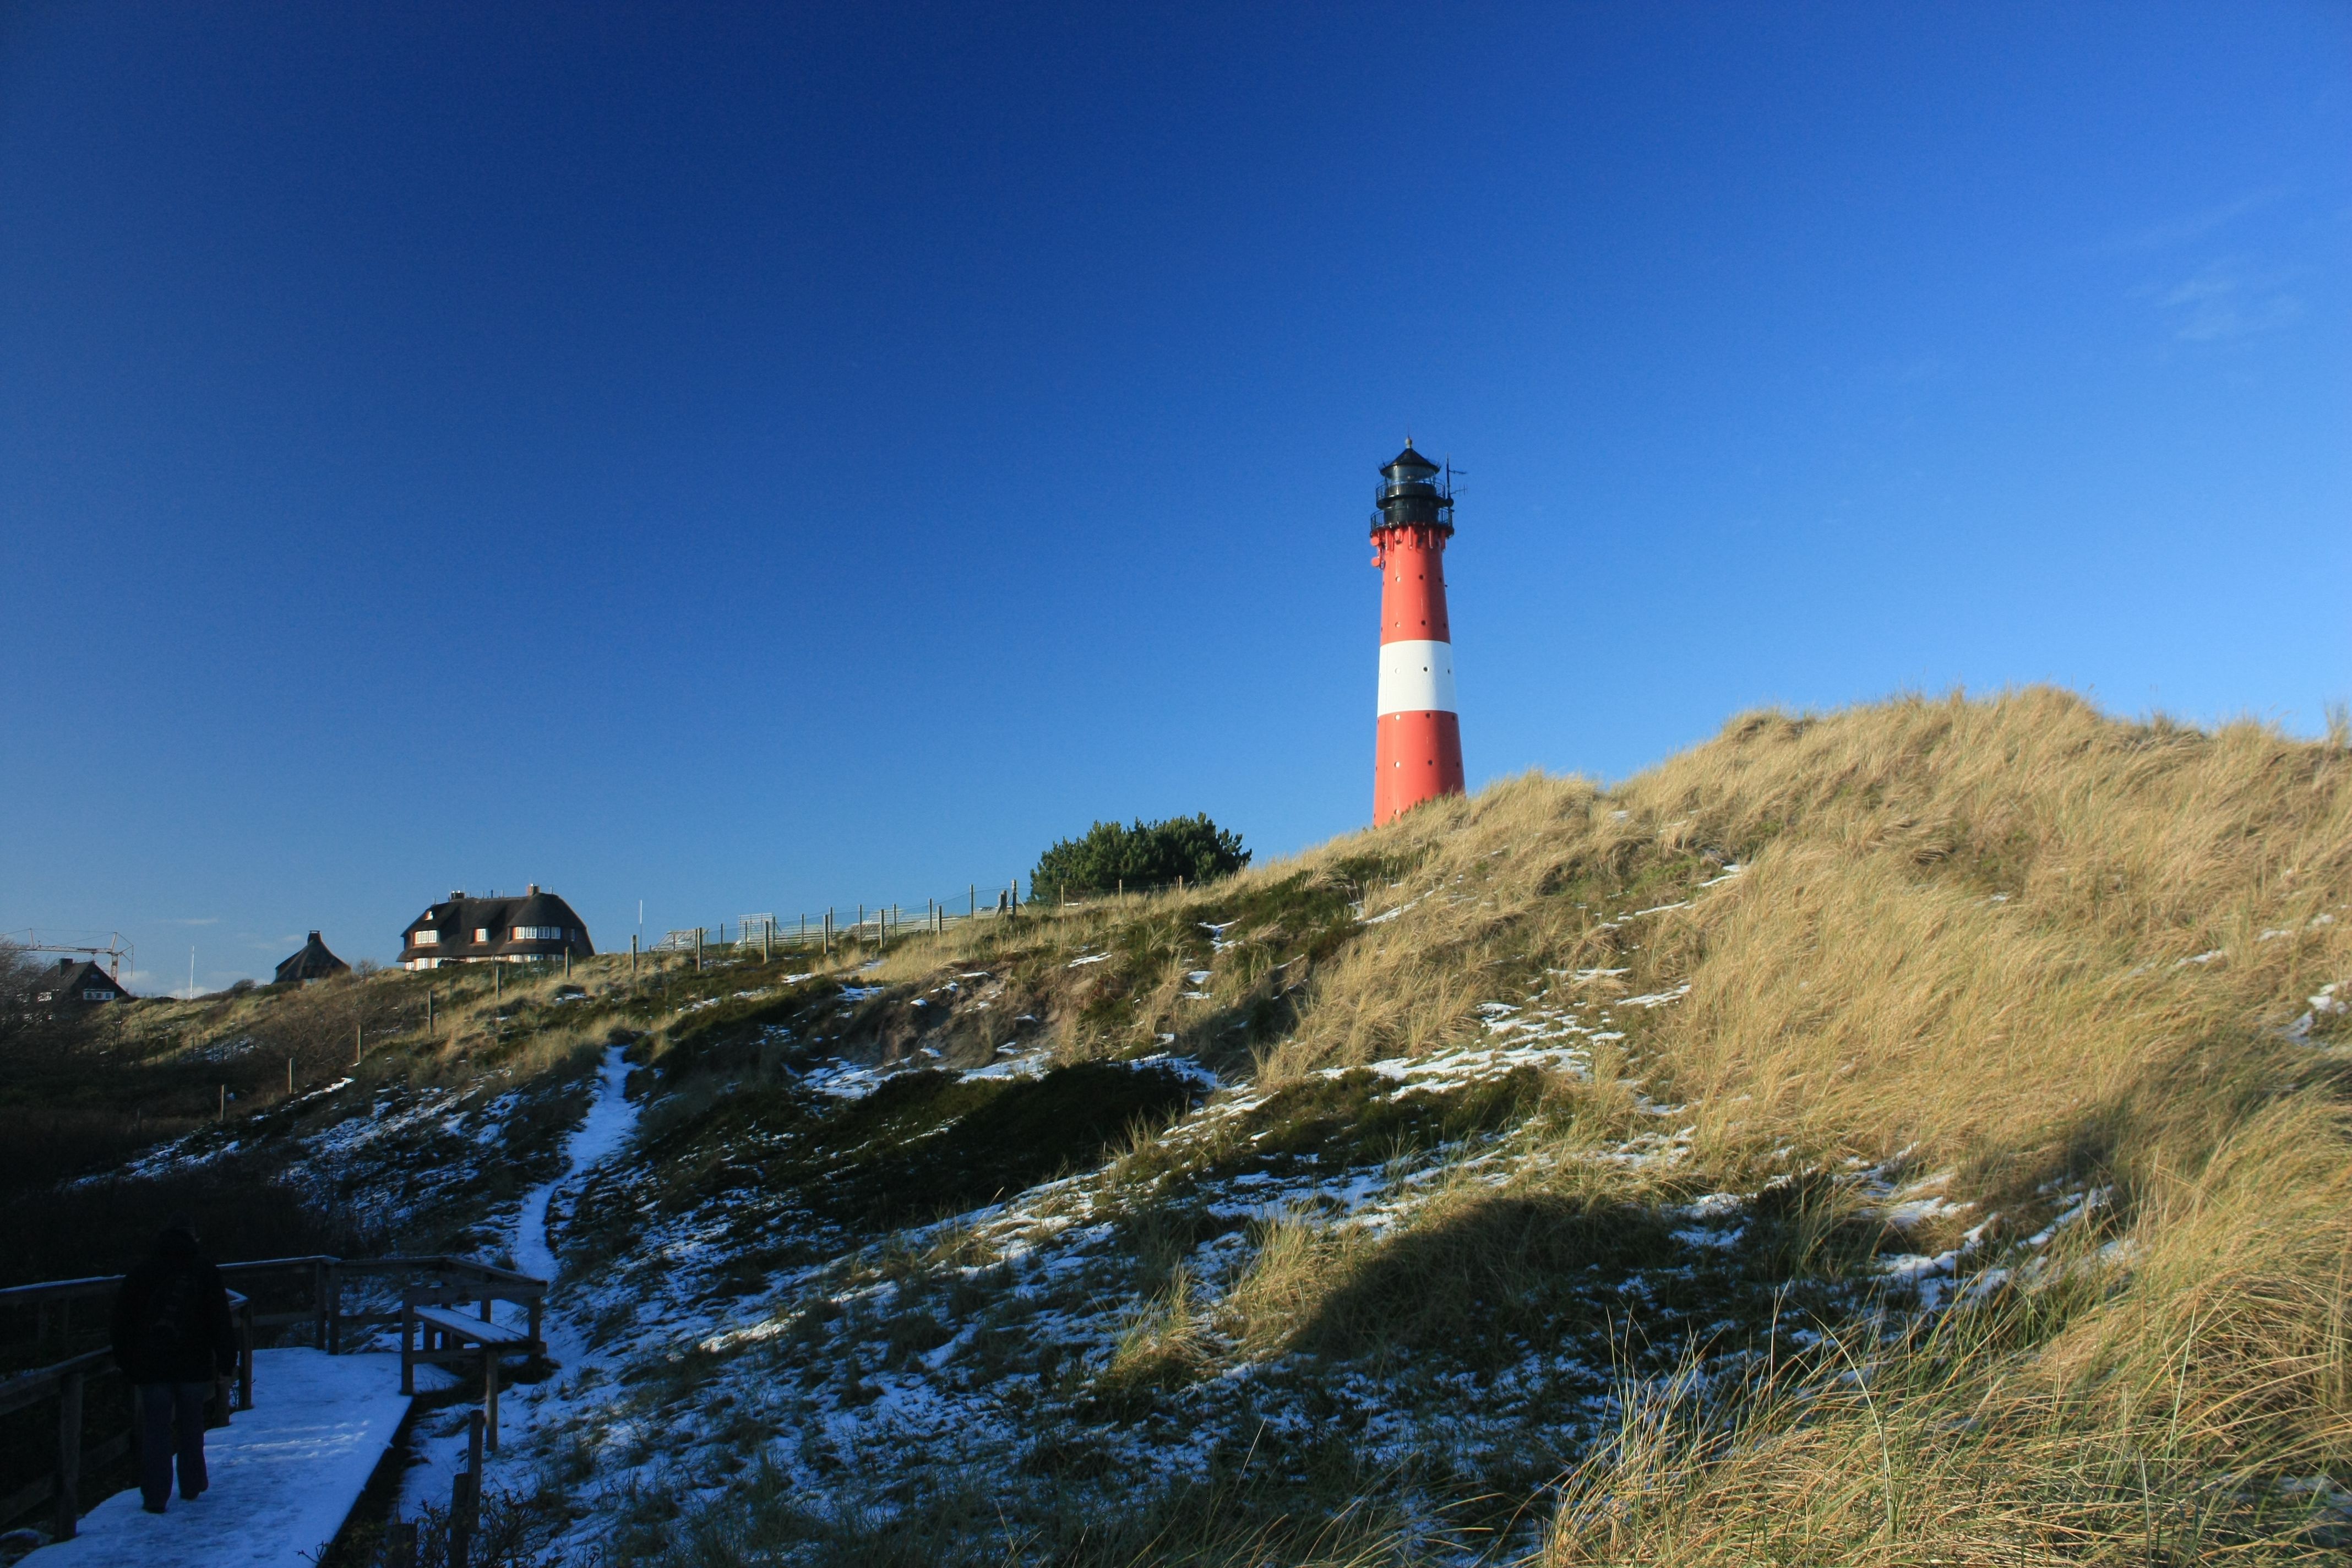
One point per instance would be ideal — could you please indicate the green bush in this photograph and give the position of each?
(1146, 855)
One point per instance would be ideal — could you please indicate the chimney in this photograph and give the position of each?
(530, 890)
(314, 936)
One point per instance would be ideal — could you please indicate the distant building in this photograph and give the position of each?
(77, 983)
(461, 929)
(313, 963)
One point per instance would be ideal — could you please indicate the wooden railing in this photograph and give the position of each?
(316, 1284)
(69, 1381)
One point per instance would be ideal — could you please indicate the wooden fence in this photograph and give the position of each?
(294, 1290)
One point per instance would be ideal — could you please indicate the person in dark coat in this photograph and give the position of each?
(172, 1336)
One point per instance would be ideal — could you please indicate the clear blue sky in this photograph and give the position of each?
(753, 459)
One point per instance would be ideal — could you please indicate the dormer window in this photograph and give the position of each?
(481, 933)
(426, 938)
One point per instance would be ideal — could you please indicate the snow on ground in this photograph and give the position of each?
(524, 1409)
(284, 1474)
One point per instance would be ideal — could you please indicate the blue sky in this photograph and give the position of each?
(771, 457)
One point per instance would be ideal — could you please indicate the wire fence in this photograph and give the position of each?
(875, 927)
(872, 928)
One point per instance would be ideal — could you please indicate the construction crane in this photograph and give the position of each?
(117, 951)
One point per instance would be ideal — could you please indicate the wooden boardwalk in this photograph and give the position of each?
(285, 1474)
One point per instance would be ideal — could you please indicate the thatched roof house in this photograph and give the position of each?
(312, 962)
(76, 982)
(462, 930)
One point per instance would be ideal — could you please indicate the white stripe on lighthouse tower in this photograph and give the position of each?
(1416, 678)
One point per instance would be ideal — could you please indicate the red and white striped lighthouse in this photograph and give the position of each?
(1419, 755)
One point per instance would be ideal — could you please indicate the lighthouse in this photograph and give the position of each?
(1418, 755)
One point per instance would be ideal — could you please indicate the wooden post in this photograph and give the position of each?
(70, 1455)
(428, 1012)
(318, 1302)
(244, 1357)
(537, 1305)
(461, 1532)
(466, 1497)
(289, 1075)
(973, 889)
(335, 1309)
(408, 1342)
(567, 963)
(767, 931)
(698, 949)
(497, 979)
(223, 1115)
(490, 1396)
(359, 1043)
(633, 954)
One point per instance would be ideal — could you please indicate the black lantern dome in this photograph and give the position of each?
(1413, 493)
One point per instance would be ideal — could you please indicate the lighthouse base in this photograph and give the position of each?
(1418, 757)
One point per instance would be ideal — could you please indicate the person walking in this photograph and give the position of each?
(172, 1336)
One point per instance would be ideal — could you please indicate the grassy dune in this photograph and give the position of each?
(2013, 946)
(2014, 940)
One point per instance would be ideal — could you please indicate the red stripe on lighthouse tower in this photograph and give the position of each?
(1418, 753)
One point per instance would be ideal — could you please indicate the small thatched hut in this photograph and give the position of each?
(313, 963)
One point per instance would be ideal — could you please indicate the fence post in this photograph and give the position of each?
(335, 1308)
(973, 890)
(466, 1496)
(633, 955)
(244, 1356)
(318, 1302)
(698, 949)
(490, 1391)
(408, 1339)
(70, 1455)
(428, 1012)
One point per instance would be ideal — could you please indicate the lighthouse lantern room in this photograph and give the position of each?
(1418, 755)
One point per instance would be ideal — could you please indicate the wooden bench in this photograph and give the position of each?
(430, 1331)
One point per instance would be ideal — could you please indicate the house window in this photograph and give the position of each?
(539, 933)
(97, 996)
(426, 939)
(481, 933)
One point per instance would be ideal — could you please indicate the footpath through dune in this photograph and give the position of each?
(526, 1408)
